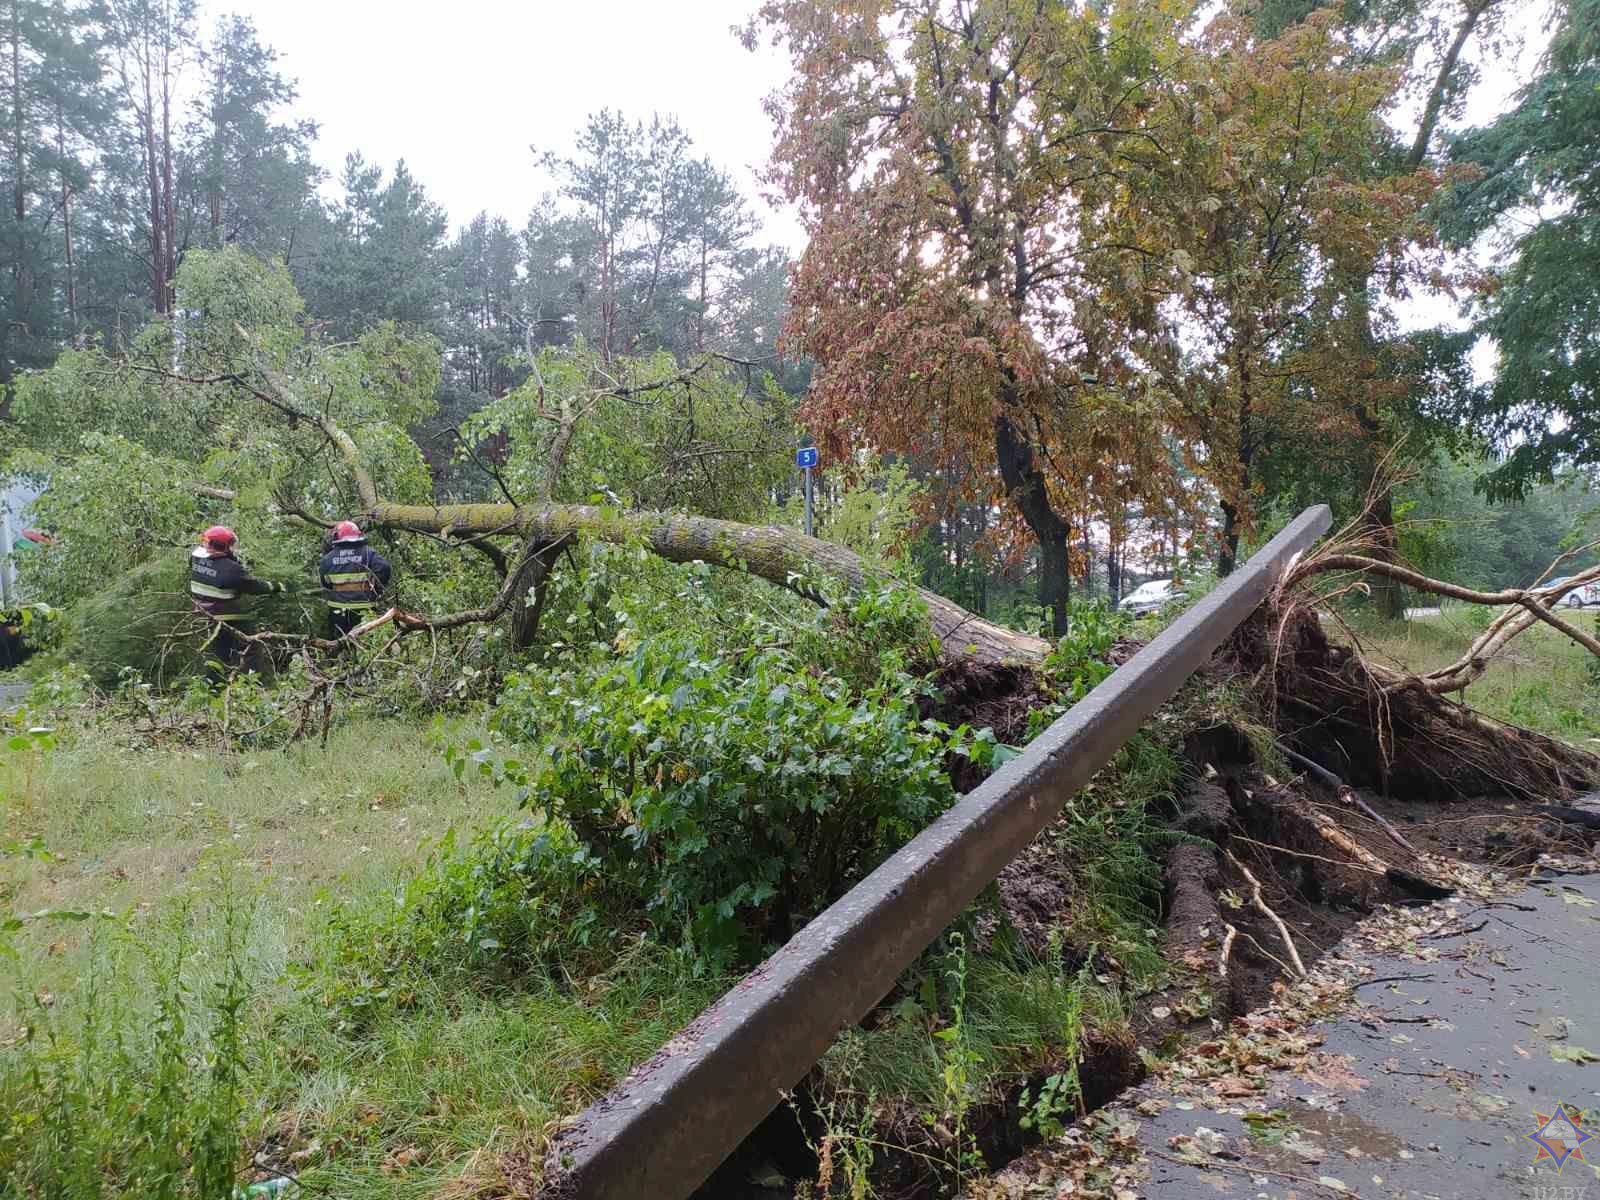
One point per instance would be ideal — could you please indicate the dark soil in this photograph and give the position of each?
(984, 696)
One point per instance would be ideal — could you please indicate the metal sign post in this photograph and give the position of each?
(805, 458)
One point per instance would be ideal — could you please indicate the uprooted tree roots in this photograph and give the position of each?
(1378, 730)
(1296, 859)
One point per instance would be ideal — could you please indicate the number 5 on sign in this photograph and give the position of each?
(805, 458)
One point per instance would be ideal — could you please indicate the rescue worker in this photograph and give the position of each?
(354, 576)
(217, 579)
(13, 646)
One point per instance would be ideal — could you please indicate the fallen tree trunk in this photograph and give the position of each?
(781, 556)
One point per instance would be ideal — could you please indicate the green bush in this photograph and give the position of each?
(730, 798)
(726, 770)
(516, 898)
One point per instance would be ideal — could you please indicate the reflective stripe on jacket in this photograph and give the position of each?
(353, 575)
(217, 581)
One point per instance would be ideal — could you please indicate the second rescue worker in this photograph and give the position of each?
(217, 580)
(354, 576)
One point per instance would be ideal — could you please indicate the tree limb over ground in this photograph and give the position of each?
(1523, 608)
(781, 556)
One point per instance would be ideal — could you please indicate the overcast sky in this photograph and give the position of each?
(461, 90)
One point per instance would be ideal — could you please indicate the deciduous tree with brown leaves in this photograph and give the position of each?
(953, 163)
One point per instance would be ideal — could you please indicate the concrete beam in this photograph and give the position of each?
(663, 1130)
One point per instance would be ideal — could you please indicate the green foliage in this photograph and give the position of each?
(959, 1066)
(875, 516)
(730, 796)
(1544, 311)
(115, 507)
(517, 898)
(1079, 660)
(728, 763)
(232, 304)
(703, 439)
(1450, 530)
(142, 620)
(122, 448)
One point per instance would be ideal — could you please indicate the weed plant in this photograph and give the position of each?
(134, 1085)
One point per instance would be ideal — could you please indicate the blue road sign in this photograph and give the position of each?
(806, 456)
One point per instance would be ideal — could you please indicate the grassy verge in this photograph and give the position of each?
(1544, 681)
(207, 865)
(212, 1016)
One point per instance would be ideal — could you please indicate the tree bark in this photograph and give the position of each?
(168, 201)
(780, 556)
(66, 220)
(147, 122)
(525, 615)
(19, 305)
(1228, 554)
(1026, 487)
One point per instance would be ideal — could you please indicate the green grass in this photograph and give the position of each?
(1543, 681)
(450, 1087)
(458, 1081)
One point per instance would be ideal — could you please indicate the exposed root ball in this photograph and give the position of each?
(1403, 741)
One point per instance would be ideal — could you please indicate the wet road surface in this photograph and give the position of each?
(1431, 1089)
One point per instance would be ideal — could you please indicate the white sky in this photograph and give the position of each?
(460, 91)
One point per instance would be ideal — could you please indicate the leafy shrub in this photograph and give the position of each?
(731, 798)
(516, 897)
(728, 770)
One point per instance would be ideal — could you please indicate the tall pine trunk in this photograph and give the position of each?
(169, 205)
(152, 163)
(19, 205)
(66, 220)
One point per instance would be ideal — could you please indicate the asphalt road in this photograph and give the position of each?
(1468, 1036)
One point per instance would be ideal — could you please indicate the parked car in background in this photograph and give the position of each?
(1151, 597)
(1578, 597)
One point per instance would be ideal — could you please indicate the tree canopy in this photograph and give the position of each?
(1535, 191)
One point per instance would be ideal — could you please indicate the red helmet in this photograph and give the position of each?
(347, 531)
(219, 537)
